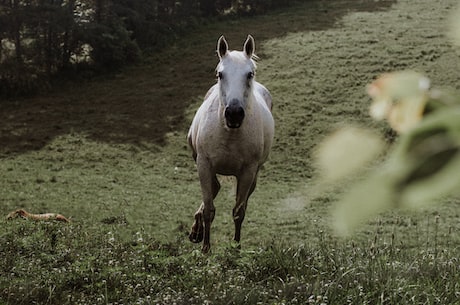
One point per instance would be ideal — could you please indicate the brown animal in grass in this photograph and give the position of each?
(46, 216)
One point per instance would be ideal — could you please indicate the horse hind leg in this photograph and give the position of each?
(197, 232)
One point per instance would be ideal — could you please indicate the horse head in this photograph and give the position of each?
(235, 74)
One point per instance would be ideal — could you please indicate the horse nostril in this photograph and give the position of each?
(234, 112)
(234, 115)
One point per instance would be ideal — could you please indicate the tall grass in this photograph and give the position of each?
(47, 263)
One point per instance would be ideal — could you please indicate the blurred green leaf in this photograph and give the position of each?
(423, 167)
(427, 159)
(346, 151)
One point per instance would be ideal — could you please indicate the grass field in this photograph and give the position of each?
(111, 154)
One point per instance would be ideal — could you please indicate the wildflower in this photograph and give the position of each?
(111, 237)
(139, 238)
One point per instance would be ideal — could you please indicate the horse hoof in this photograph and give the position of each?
(196, 237)
(205, 248)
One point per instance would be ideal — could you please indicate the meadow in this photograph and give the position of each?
(110, 153)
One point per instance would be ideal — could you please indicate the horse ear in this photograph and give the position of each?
(222, 46)
(249, 46)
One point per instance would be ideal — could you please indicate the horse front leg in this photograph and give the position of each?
(196, 233)
(245, 186)
(204, 216)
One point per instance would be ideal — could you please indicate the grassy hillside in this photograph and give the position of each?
(111, 155)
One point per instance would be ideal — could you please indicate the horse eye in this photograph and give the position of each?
(250, 75)
(220, 75)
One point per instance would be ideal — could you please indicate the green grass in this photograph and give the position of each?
(76, 264)
(111, 154)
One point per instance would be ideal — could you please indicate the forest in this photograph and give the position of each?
(41, 39)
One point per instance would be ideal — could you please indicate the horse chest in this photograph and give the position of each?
(229, 153)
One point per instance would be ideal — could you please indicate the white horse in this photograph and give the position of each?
(231, 134)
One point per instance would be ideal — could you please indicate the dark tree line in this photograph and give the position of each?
(43, 38)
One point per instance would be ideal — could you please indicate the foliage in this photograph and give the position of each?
(111, 44)
(423, 166)
(40, 39)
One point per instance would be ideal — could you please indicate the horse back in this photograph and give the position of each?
(265, 94)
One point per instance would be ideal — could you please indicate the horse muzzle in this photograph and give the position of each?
(234, 115)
